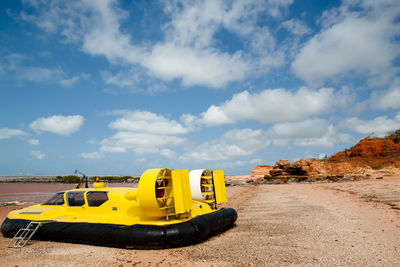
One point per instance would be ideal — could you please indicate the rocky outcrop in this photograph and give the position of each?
(241, 180)
(369, 158)
(284, 168)
(315, 171)
(261, 170)
(374, 152)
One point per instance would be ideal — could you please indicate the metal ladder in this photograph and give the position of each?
(23, 235)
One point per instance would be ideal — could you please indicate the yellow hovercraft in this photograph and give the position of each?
(168, 209)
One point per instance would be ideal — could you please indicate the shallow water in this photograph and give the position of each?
(38, 193)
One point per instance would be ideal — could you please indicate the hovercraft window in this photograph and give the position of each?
(75, 199)
(57, 199)
(96, 199)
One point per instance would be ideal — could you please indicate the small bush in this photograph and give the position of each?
(395, 135)
(69, 179)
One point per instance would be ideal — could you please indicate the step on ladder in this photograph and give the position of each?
(23, 235)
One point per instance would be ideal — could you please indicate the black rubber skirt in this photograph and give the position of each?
(136, 236)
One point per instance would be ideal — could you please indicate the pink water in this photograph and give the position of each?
(37, 193)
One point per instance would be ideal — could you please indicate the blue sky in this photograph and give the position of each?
(118, 87)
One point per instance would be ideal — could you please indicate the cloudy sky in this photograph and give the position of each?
(117, 87)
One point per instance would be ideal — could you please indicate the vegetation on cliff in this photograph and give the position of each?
(395, 136)
(376, 152)
(370, 157)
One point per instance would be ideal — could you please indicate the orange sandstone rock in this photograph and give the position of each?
(261, 170)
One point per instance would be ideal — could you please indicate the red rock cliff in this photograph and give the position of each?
(374, 152)
(371, 157)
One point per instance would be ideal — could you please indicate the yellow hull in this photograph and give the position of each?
(160, 213)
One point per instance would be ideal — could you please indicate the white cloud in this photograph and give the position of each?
(190, 51)
(101, 36)
(196, 66)
(272, 105)
(248, 139)
(140, 143)
(349, 41)
(190, 48)
(386, 100)
(17, 66)
(38, 74)
(14, 60)
(263, 49)
(195, 23)
(36, 154)
(307, 133)
(189, 121)
(33, 142)
(91, 155)
(134, 80)
(121, 79)
(325, 139)
(255, 161)
(234, 143)
(168, 153)
(379, 126)
(92, 141)
(216, 115)
(61, 125)
(93, 24)
(232, 164)
(141, 160)
(6, 133)
(143, 132)
(145, 121)
(276, 8)
(296, 27)
(69, 81)
(304, 129)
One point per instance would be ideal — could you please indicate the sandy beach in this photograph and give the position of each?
(327, 224)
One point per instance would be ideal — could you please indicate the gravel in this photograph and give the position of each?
(278, 225)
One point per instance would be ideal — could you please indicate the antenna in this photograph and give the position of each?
(83, 179)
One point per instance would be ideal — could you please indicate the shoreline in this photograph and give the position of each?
(254, 180)
(55, 180)
(30, 193)
(327, 224)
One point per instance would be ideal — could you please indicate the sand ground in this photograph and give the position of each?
(336, 224)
